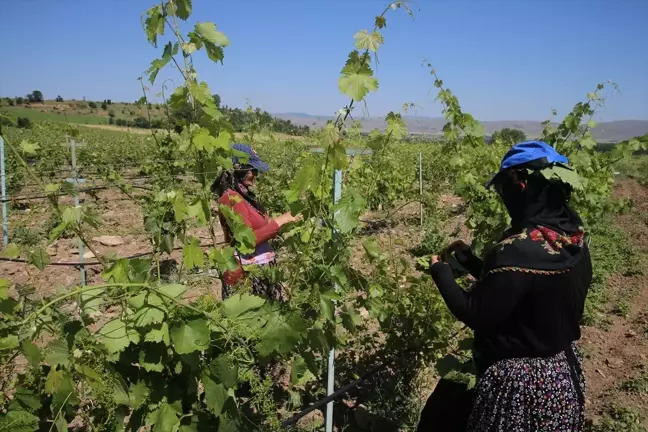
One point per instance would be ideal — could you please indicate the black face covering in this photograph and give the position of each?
(540, 203)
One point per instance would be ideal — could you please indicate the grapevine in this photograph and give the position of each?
(132, 352)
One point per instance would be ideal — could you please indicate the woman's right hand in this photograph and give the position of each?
(287, 218)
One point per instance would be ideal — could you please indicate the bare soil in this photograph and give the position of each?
(619, 353)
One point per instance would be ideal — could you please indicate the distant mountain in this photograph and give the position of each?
(613, 131)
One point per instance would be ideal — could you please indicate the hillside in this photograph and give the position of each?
(614, 131)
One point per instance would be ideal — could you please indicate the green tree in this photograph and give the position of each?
(59, 98)
(37, 96)
(508, 135)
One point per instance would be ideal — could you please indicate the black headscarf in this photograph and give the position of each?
(234, 180)
(546, 234)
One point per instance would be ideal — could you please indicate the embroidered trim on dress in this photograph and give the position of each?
(526, 270)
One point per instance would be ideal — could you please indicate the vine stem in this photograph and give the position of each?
(76, 292)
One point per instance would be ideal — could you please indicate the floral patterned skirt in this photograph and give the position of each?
(530, 395)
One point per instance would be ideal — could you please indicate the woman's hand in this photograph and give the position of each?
(287, 218)
(435, 259)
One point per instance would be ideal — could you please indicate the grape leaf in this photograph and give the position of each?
(4, 289)
(25, 399)
(192, 255)
(19, 421)
(116, 336)
(29, 147)
(32, 353)
(39, 258)
(368, 41)
(151, 357)
(91, 300)
(566, 175)
(137, 394)
(12, 250)
(183, 9)
(225, 370)
(164, 419)
(356, 86)
(215, 394)
(224, 258)
(238, 304)
(371, 248)
(282, 333)
(173, 290)
(207, 31)
(58, 354)
(191, 336)
(154, 24)
(8, 342)
(159, 333)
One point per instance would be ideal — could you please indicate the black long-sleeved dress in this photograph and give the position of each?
(525, 310)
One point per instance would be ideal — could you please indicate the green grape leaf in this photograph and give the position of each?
(368, 41)
(190, 336)
(25, 399)
(566, 175)
(215, 394)
(91, 300)
(32, 353)
(183, 9)
(381, 22)
(116, 336)
(238, 304)
(348, 211)
(19, 421)
(29, 147)
(173, 290)
(192, 255)
(357, 77)
(371, 248)
(223, 258)
(170, 50)
(164, 419)
(61, 386)
(356, 86)
(154, 24)
(282, 333)
(8, 342)
(58, 354)
(396, 126)
(4, 289)
(158, 333)
(12, 250)
(299, 372)
(149, 309)
(152, 356)
(39, 258)
(327, 309)
(225, 370)
(243, 234)
(207, 31)
(137, 394)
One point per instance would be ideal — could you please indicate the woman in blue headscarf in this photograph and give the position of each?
(526, 306)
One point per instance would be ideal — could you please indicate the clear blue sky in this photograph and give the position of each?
(505, 60)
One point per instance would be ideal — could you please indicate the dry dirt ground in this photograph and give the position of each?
(614, 356)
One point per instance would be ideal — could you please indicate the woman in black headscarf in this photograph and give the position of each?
(527, 303)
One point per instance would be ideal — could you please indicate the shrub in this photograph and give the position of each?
(24, 123)
(92, 104)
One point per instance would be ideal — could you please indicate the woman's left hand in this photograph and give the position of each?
(435, 259)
